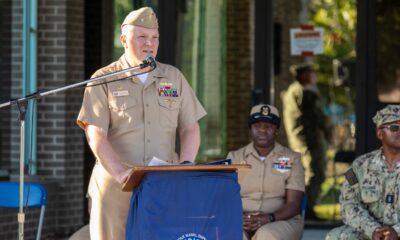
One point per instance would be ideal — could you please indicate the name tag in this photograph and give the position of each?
(389, 198)
(120, 93)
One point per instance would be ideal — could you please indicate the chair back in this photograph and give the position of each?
(345, 156)
(9, 192)
(303, 206)
(35, 196)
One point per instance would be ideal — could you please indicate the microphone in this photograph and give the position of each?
(149, 61)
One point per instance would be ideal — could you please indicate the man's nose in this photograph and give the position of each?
(149, 42)
(263, 129)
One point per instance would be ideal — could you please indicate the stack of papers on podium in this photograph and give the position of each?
(158, 162)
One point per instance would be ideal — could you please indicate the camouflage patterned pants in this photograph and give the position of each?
(345, 233)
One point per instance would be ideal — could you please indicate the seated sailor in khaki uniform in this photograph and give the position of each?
(273, 190)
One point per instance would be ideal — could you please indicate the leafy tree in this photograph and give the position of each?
(338, 18)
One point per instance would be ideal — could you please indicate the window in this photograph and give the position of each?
(201, 57)
(388, 45)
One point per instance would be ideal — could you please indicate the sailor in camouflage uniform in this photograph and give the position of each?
(370, 196)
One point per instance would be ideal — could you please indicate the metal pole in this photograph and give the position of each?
(21, 214)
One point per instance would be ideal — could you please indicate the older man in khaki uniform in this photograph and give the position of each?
(370, 198)
(272, 192)
(128, 122)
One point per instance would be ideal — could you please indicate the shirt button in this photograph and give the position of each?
(148, 122)
(147, 105)
(148, 140)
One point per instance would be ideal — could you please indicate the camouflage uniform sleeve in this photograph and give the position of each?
(354, 213)
(396, 227)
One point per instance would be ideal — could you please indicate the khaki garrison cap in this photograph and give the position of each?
(264, 112)
(391, 113)
(143, 17)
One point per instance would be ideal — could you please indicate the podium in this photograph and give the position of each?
(195, 202)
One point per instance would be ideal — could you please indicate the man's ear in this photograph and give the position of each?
(379, 134)
(123, 40)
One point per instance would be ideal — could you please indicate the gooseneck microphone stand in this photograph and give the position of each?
(22, 103)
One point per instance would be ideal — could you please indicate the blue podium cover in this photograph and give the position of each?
(186, 206)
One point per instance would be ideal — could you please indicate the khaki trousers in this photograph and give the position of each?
(110, 206)
(291, 229)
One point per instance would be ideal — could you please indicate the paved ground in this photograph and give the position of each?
(315, 234)
(317, 230)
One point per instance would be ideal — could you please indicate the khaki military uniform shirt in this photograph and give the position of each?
(263, 188)
(305, 123)
(141, 120)
(291, 101)
(373, 198)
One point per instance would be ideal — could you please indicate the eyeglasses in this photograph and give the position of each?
(392, 127)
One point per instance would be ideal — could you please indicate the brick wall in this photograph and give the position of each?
(239, 71)
(60, 142)
(61, 57)
(240, 55)
(5, 81)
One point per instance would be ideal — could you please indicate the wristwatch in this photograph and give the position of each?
(271, 217)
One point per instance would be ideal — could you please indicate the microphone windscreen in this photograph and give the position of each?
(150, 61)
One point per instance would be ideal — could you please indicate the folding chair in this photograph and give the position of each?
(37, 198)
(340, 157)
(303, 206)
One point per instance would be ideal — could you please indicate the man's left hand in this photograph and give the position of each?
(390, 233)
(253, 221)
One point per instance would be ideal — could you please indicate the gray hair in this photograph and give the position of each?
(126, 29)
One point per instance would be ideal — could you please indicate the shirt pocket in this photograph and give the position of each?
(371, 190)
(122, 111)
(281, 173)
(278, 178)
(169, 111)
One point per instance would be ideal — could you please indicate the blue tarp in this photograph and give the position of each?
(186, 206)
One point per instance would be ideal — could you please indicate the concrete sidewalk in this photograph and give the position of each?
(317, 230)
(315, 234)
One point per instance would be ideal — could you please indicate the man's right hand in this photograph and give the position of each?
(384, 233)
(123, 176)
